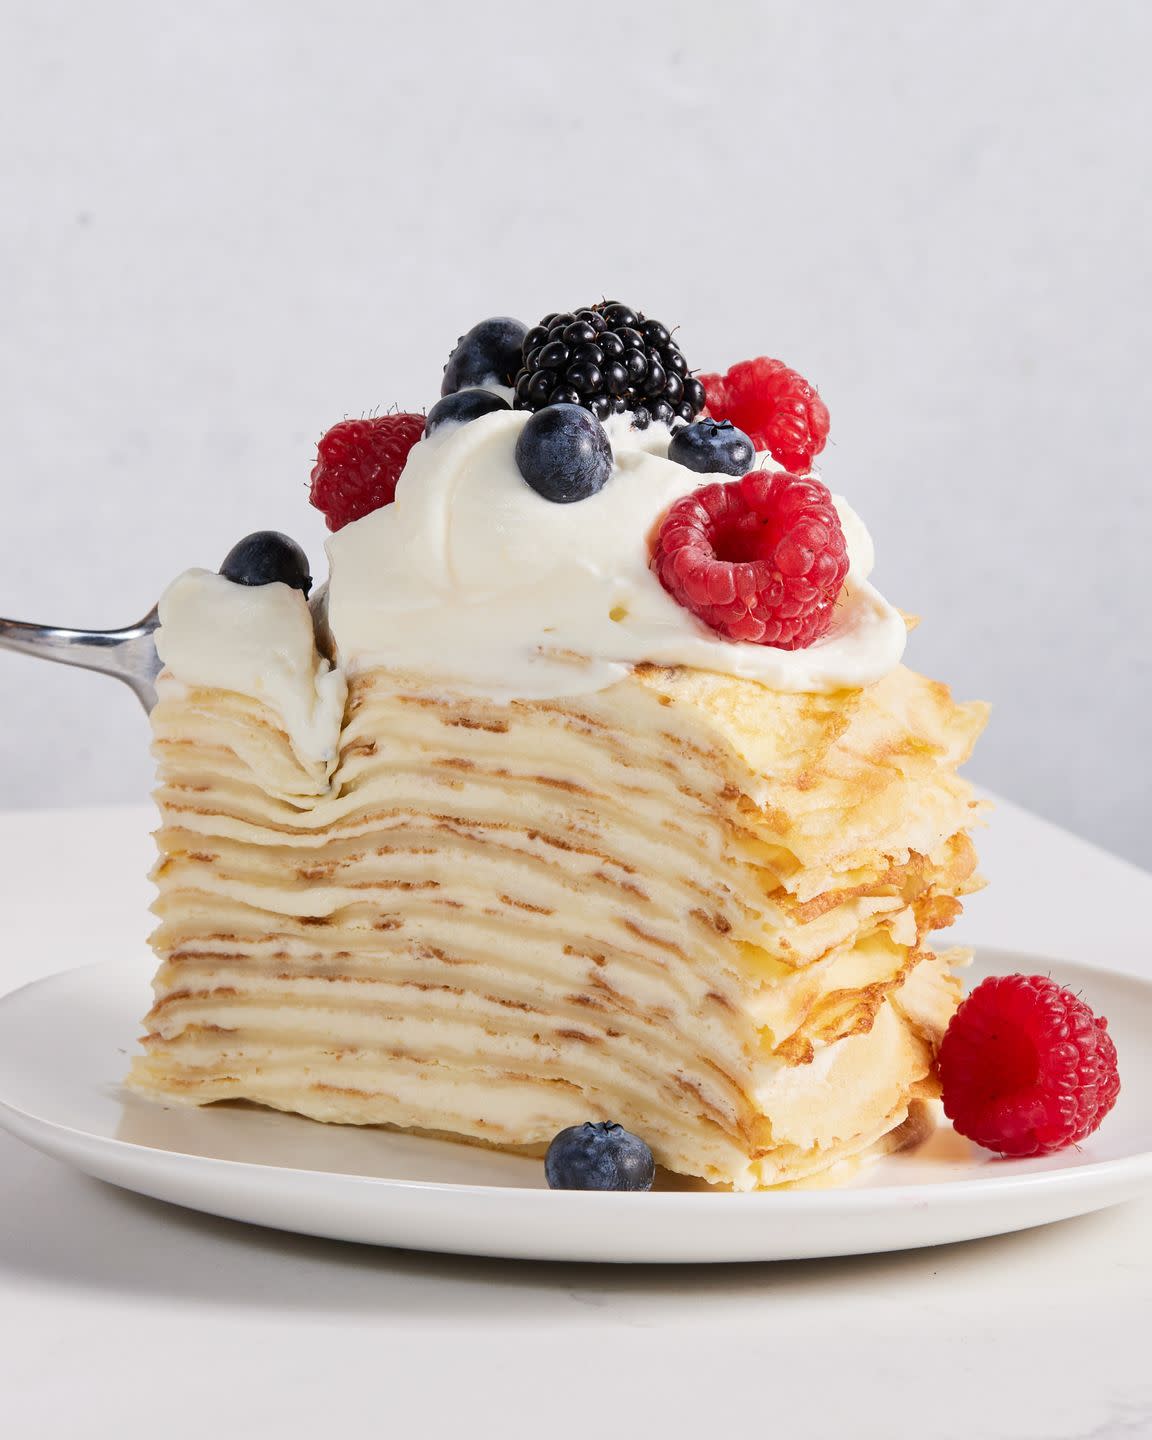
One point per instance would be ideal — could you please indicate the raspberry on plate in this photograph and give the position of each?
(760, 559)
(774, 405)
(358, 463)
(1026, 1067)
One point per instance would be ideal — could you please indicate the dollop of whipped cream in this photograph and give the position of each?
(472, 578)
(257, 640)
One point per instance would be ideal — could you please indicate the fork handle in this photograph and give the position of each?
(128, 654)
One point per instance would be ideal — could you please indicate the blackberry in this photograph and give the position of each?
(612, 360)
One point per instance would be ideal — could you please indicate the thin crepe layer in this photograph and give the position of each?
(686, 903)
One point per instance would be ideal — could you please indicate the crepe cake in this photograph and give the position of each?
(502, 834)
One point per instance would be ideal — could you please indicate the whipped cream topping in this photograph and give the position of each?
(478, 583)
(257, 640)
(474, 579)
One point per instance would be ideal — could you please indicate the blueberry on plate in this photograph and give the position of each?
(598, 1155)
(265, 557)
(564, 454)
(462, 406)
(490, 354)
(712, 447)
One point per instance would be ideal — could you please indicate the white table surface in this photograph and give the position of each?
(124, 1317)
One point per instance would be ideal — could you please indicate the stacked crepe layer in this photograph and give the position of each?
(686, 903)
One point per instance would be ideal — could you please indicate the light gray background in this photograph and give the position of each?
(224, 226)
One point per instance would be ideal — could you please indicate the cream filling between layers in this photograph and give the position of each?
(507, 919)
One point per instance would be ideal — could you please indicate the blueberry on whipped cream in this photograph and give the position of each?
(712, 447)
(491, 353)
(461, 407)
(267, 556)
(564, 454)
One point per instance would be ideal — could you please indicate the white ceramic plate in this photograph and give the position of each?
(65, 1042)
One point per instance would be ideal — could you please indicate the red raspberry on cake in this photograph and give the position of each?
(760, 559)
(775, 406)
(1026, 1067)
(358, 463)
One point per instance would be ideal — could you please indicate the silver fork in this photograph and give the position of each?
(128, 655)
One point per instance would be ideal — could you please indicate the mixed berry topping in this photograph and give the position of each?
(610, 359)
(564, 454)
(712, 447)
(599, 1155)
(760, 559)
(358, 463)
(491, 353)
(1026, 1067)
(462, 406)
(775, 406)
(266, 557)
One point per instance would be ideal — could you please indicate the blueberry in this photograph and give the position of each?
(490, 353)
(599, 1155)
(462, 406)
(265, 557)
(713, 447)
(564, 454)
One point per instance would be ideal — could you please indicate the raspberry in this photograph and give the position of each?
(777, 407)
(1026, 1067)
(761, 558)
(358, 463)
